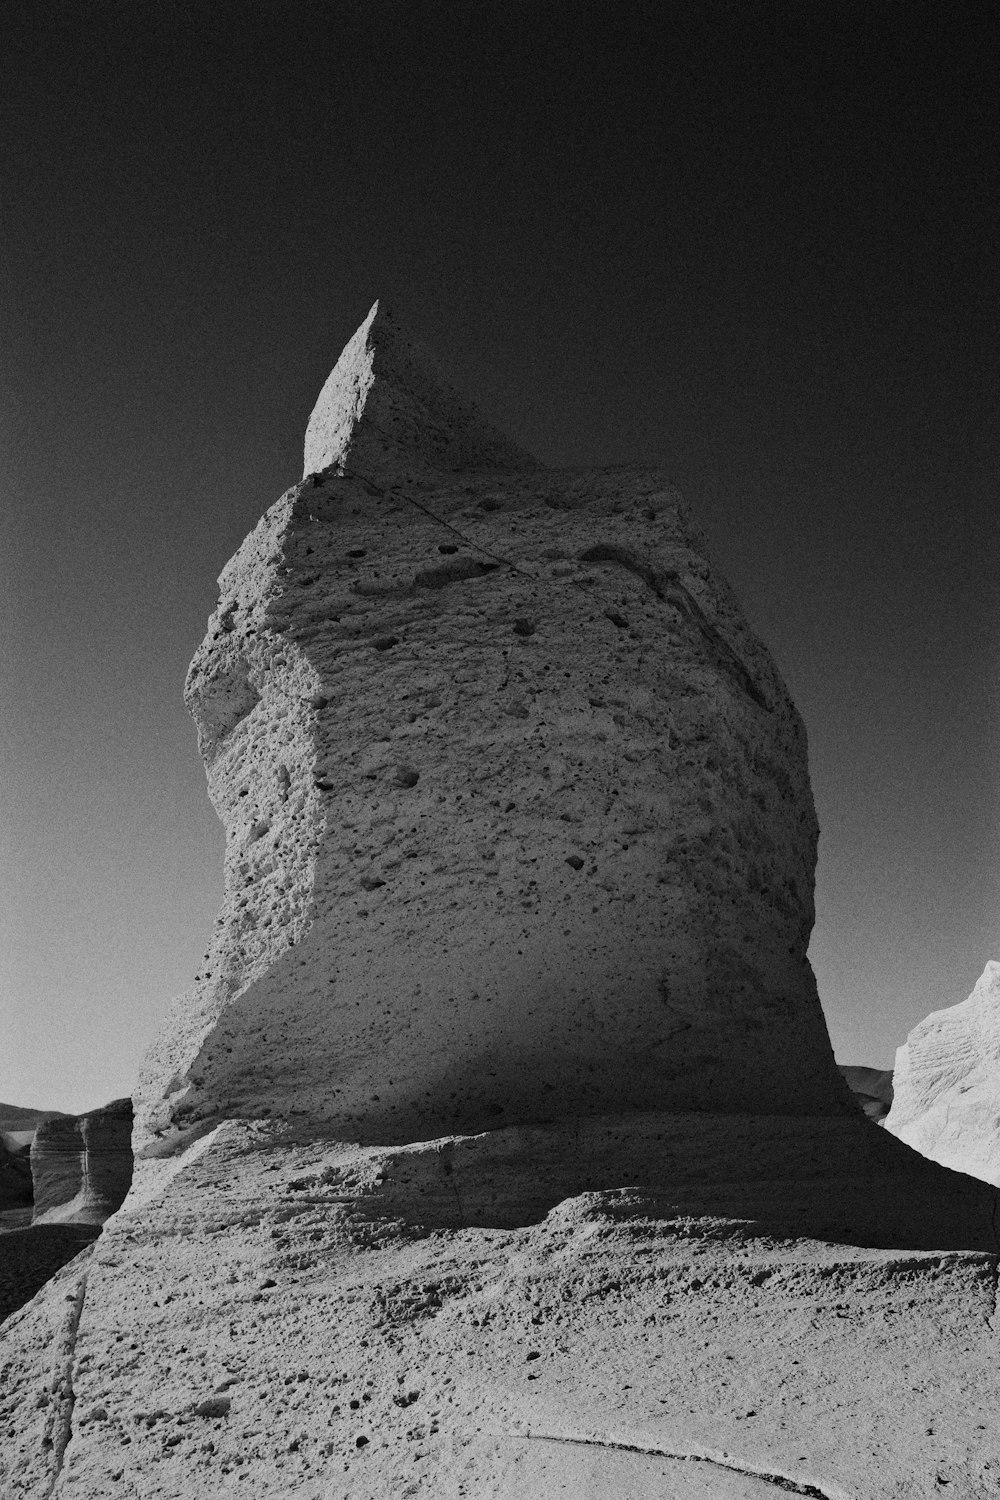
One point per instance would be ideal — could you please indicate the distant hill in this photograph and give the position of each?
(12, 1115)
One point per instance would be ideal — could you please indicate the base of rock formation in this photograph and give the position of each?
(685, 1305)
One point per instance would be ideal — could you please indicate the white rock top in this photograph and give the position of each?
(386, 403)
(946, 1083)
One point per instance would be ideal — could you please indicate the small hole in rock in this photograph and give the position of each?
(524, 627)
(575, 861)
(385, 642)
(447, 547)
(406, 776)
(356, 552)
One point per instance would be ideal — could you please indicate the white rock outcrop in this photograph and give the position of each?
(499, 1151)
(518, 810)
(946, 1083)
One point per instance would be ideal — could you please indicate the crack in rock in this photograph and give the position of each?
(780, 1481)
(59, 1428)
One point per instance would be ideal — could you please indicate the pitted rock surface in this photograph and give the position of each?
(518, 814)
(946, 1083)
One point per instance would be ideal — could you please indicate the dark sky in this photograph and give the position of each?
(753, 244)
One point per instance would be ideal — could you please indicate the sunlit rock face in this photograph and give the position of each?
(946, 1084)
(518, 814)
(81, 1165)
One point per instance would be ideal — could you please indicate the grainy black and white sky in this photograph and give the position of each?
(755, 244)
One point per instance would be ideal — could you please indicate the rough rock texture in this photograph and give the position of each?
(871, 1087)
(946, 1083)
(518, 812)
(81, 1166)
(638, 1306)
(459, 1170)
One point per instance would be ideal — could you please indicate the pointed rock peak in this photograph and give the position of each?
(387, 409)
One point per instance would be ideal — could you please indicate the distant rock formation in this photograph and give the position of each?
(871, 1087)
(461, 1170)
(17, 1131)
(15, 1176)
(946, 1084)
(81, 1165)
(518, 811)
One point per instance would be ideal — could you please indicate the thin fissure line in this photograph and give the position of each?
(782, 1481)
(689, 607)
(62, 1431)
(385, 492)
(477, 546)
(991, 1321)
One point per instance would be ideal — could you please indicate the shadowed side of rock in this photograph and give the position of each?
(15, 1177)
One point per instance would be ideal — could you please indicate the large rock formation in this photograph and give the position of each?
(81, 1165)
(518, 812)
(499, 1150)
(946, 1083)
